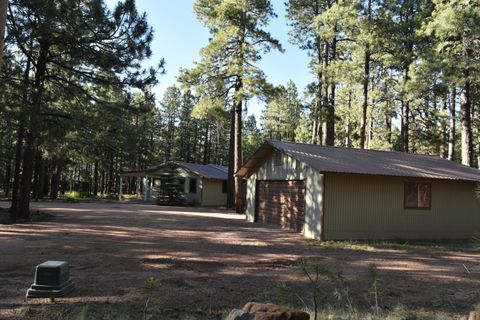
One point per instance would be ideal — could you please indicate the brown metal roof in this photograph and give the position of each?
(360, 161)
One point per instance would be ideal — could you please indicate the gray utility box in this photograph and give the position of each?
(52, 280)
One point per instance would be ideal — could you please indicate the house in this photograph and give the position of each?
(204, 185)
(330, 193)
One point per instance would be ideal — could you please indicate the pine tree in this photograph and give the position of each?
(3, 22)
(68, 44)
(282, 115)
(171, 102)
(323, 28)
(227, 67)
(301, 15)
(456, 28)
(253, 136)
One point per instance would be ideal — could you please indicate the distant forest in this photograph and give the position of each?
(76, 105)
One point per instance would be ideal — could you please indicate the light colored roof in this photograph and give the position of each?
(372, 162)
(210, 171)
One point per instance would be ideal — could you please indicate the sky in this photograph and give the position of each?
(179, 36)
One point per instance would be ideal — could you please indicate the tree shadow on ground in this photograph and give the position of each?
(210, 262)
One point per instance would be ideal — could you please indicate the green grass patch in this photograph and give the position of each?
(37, 216)
(400, 245)
(132, 197)
(78, 195)
(398, 313)
(134, 310)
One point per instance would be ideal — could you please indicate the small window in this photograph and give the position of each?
(224, 186)
(417, 195)
(277, 159)
(192, 187)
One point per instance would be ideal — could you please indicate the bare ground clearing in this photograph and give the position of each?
(207, 261)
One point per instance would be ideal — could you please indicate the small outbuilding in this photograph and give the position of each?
(203, 185)
(334, 193)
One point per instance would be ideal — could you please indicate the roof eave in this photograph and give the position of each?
(246, 170)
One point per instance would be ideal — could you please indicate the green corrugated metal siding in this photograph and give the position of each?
(371, 207)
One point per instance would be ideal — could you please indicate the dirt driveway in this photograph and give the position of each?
(206, 261)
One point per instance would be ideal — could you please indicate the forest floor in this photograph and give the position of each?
(206, 262)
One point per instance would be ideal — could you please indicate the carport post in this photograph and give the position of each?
(139, 186)
(145, 188)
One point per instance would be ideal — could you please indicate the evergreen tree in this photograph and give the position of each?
(227, 67)
(171, 102)
(325, 29)
(186, 127)
(253, 137)
(3, 23)
(282, 115)
(455, 26)
(302, 15)
(68, 44)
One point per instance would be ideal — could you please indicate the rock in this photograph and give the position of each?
(237, 314)
(268, 311)
(475, 315)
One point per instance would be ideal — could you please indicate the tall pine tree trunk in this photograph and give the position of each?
(388, 125)
(330, 100)
(27, 171)
(231, 163)
(205, 143)
(238, 124)
(316, 114)
(46, 178)
(104, 182)
(238, 148)
(330, 118)
(17, 166)
(36, 174)
(348, 141)
(95, 179)
(366, 80)
(366, 77)
(19, 144)
(42, 178)
(3, 22)
(217, 142)
(405, 138)
(33, 133)
(370, 133)
(110, 176)
(194, 154)
(466, 119)
(452, 125)
(317, 131)
(444, 125)
(8, 178)
(55, 180)
(330, 55)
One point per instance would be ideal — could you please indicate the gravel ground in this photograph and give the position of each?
(207, 261)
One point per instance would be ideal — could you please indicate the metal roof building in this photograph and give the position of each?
(345, 193)
(203, 185)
